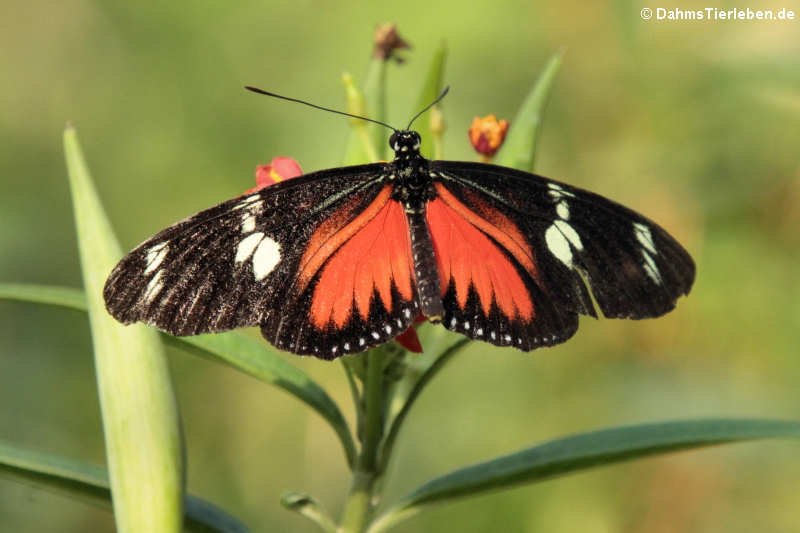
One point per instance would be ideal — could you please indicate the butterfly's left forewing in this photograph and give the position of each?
(247, 262)
(553, 243)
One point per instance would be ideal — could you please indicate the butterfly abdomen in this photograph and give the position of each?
(428, 288)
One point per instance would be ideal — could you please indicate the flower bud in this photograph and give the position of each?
(279, 169)
(487, 134)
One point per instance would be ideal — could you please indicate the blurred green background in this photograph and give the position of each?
(693, 123)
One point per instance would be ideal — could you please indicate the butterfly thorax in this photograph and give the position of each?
(413, 186)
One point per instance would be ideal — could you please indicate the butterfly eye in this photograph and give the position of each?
(393, 141)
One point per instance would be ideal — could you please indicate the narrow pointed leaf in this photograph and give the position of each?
(44, 294)
(90, 482)
(360, 146)
(431, 88)
(256, 359)
(580, 452)
(234, 349)
(375, 99)
(140, 417)
(519, 149)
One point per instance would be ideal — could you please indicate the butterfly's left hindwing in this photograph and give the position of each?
(632, 267)
(242, 263)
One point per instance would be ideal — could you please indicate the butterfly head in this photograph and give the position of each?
(404, 142)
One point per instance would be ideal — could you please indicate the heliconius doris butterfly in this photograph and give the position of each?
(342, 260)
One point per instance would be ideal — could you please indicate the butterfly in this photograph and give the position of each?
(342, 260)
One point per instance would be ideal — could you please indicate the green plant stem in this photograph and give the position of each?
(360, 501)
(433, 370)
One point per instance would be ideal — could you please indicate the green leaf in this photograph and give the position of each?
(256, 359)
(141, 425)
(234, 349)
(307, 506)
(89, 482)
(375, 99)
(360, 143)
(44, 294)
(580, 452)
(431, 88)
(519, 149)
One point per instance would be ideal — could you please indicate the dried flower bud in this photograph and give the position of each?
(279, 169)
(487, 134)
(387, 40)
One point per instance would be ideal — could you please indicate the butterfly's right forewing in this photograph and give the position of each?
(234, 265)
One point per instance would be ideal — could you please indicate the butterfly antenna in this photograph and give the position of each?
(438, 99)
(267, 93)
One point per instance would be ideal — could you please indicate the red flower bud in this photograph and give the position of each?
(487, 134)
(279, 169)
(409, 339)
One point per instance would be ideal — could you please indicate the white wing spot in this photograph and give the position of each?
(247, 202)
(333, 350)
(651, 268)
(154, 287)
(376, 335)
(453, 322)
(562, 209)
(346, 346)
(247, 245)
(558, 245)
(507, 338)
(248, 222)
(644, 237)
(155, 256)
(570, 233)
(479, 332)
(388, 328)
(266, 256)
(561, 238)
(406, 313)
(466, 326)
(557, 192)
(362, 341)
(399, 323)
(493, 335)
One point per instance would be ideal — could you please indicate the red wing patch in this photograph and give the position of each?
(371, 253)
(468, 257)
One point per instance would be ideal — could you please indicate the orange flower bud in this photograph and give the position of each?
(487, 134)
(279, 169)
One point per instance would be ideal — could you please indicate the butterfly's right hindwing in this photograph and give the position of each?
(234, 265)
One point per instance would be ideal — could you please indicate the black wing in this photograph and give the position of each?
(575, 239)
(238, 264)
